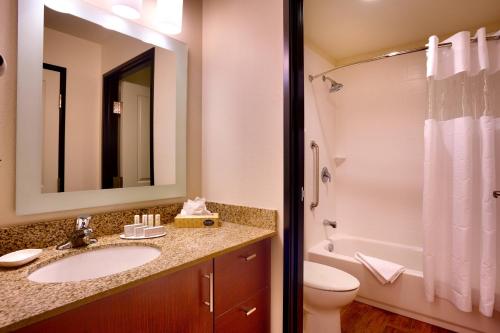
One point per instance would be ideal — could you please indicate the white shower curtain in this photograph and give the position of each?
(461, 168)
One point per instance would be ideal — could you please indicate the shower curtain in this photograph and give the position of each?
(461, 171)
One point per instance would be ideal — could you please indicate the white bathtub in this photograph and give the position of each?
(406, 295)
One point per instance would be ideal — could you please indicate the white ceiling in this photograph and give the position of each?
(76, 26)
(347, 29)
(147, 13)
(80, 28)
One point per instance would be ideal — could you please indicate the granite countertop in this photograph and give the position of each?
(23, 302)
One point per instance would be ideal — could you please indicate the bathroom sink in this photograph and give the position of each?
(94, 264)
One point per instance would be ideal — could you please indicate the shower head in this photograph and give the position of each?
(335, 86)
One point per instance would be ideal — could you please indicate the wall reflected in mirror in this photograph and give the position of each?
(109, 108)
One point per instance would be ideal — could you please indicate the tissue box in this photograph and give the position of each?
(197, 221)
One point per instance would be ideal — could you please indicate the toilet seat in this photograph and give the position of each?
(328, 278)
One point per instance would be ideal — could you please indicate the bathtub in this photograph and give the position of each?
(406, 295)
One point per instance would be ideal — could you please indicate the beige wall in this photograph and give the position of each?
(119, 49)
(318, 121)
(243, 113)
(191, 35)
(82, 169)
(376, 122)
(379, 128)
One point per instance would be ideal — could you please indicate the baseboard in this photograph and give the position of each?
(417, 316)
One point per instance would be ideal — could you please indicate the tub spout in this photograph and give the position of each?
(332, 224)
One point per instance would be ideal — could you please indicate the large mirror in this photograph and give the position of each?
(104, 126)
(101, 110)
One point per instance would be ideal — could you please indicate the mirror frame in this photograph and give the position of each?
(29, 136)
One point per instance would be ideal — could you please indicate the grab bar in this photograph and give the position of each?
(315, 149)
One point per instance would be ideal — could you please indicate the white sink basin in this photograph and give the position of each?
(94, 264)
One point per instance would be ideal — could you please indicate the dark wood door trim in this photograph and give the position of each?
(293, 82)
(62, 123)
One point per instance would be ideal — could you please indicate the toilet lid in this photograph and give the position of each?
(324, 277)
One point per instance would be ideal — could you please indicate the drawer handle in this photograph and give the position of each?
(210, 303)
(248, 311)
(250, 257)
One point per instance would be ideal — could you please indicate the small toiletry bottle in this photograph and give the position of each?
(151, 221)
(157, 220)
(137, 219)
(145, 219)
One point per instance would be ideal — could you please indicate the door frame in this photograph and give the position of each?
(293, 225)
(110, 87)
(62, 123)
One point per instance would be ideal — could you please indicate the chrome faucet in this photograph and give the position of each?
(81, 236)
(326, 176)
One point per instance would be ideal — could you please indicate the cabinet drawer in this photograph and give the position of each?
(240, 274)
(251, 316)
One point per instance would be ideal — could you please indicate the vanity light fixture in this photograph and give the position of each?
(130, 9)
(169, 16)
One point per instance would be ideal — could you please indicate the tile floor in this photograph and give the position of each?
(363, 318)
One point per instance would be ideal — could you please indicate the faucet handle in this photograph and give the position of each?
(82, 222)
(88, 237)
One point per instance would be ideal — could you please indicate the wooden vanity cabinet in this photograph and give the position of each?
(177, 302)
(173, 303)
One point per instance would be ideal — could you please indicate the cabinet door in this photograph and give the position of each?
(240, 274)
(173, 303)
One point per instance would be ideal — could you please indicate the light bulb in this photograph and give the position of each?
(130, 9)
(169, 16)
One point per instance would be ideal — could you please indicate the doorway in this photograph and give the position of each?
(127, 123)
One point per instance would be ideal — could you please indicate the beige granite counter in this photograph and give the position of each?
(49, 233)
(23, 302)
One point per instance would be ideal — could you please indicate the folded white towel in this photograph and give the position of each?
(384, 271)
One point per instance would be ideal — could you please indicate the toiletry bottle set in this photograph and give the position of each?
(145, 226)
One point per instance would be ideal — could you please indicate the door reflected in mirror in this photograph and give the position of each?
(109, 108)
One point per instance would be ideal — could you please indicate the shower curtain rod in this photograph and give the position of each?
(392, 54)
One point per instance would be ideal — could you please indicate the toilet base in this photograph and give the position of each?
(322, 322)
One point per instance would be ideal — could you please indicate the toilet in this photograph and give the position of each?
(326, 291)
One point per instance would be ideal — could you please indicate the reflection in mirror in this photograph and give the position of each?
(127, 135)
(109, 117)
